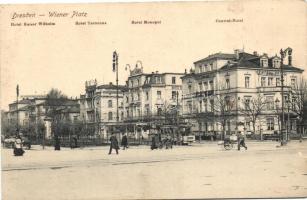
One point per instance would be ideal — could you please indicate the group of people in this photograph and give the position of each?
(114, 143)
(157, 142)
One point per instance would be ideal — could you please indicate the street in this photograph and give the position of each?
(203, 170)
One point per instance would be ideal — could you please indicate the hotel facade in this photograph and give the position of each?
(226, 93)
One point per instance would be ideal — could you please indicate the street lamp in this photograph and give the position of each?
(283, 55)
(115, 69)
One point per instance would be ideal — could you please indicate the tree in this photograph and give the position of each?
(252, 109)
(55, 101)
(299, 94)
(223, 108)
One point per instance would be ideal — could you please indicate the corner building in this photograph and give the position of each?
(221, 87)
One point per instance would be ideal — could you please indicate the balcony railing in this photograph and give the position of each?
(199, 94)
(273, 89)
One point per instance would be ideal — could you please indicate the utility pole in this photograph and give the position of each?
(17, 95)
(115, 69)
(283, 55)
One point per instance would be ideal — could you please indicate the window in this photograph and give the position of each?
(264, 62)
(147, 111)
(277, 81)
(276, 63)
(158, 94)
(293, 82)
(122, 115)
(228, 103)
(211, 66)
(205, 86)
(247, 81)
(110, 116)
(211, 105)
(205, 105)
(138, 96)
(189, 106)
(173, 80)
(190, 89)
(270, 102)
(110, 104)
(200, 85)
(270, 81)
(147, 96)
(262, 81)
(293, 103)
(174, 94)
(127, 99)
(227, 84)
(247, 101)
(270, 124)
(211, 85)
(200, 106)
(159, 111)
(131, 83)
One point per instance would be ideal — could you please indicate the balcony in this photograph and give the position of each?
(199, 94)
(273, 89)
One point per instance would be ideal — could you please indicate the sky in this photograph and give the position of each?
(66, 55)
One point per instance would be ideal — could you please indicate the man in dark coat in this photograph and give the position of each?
(125, 142)
(113, 144)
(57, 143)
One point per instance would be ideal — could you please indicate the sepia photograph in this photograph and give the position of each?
(154, 100)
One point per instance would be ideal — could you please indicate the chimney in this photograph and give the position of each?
(290, 57)
(111, 83)
(237, 51)
(255, 53)
(185, 71)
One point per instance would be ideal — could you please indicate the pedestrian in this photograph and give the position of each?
(74, 143)
(153, 143)
(124, 142)
(241, 141)
(57, 143)
(113, 143)
(18, 150)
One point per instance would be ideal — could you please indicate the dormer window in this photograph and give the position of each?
(276, 62)
(264, 62)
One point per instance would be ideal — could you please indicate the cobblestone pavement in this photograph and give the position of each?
(203, 170)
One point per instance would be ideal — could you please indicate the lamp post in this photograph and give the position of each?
(115, 69)
(283, 55)
(17, 95)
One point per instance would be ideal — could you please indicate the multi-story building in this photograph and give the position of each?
(24, 110)
(225, 93)
(149, 97)
(31, 114)
(98, 107)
